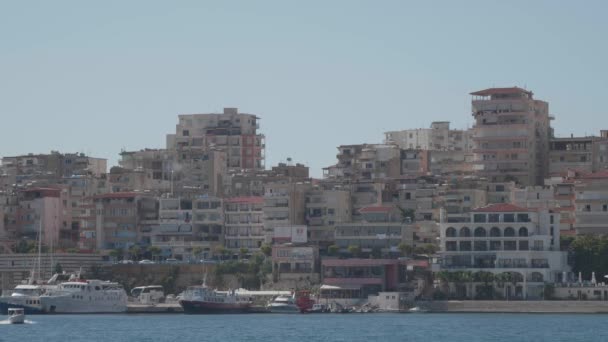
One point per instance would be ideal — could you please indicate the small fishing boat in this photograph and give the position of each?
(16, 315)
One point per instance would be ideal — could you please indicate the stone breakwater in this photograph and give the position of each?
(541, 306)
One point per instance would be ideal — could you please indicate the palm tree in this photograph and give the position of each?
(155, 251)
(135, 251)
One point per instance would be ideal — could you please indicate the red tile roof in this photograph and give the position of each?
(506, 91)
(596, 175)
(358, 262)
(245, 199)
(501, 208)
(376, 209)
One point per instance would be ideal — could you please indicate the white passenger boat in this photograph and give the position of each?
(16, 315)
(283, 304)
(85, 296)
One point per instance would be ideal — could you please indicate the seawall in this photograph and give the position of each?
(540, 306)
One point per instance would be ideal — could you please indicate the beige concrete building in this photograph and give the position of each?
(325, 209)
(181, 172)
(365, 162)
(591, 203)
(584, 154)
(244, 223)
(439, 137)
(284, 205)
(24, 169)
(378, 228)
(511, 135)
(233, 132)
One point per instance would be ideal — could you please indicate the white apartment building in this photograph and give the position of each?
(506, 239)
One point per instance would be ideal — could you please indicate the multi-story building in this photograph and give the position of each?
(184, 171)
(522, 243)
(458, 203)
(233, 132)
(511, 135)
(244, 223)
(53, 166)
(291, 262)
(584, 154)
(591, 203)
(325, 209)
(379, 228)
(541, 197)
(42, 210)
(365, 162)
(115, 220)
(284, 205)
(208, 218)
(439, 137)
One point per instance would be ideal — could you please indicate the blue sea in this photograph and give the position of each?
(313, 327)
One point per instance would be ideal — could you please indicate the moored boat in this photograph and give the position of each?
(201, 299)
(283, 304)
(85, 296)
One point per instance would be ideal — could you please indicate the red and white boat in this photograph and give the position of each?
(201, 299)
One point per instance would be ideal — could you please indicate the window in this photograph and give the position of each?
(186, 133)
(450, 232)
(479, 218)
(523, 231)
(508, 218)
(509, 232)
(605, 207)
(493, 218)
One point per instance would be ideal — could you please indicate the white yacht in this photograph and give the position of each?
(85, 296)
(283, 304)
(27, 295)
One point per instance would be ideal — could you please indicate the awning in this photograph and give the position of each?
(341, 287)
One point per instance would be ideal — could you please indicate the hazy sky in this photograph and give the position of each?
(99, 76)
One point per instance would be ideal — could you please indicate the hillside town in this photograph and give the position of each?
(498, 211)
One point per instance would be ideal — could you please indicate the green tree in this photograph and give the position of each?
(115, 254)
(406, 249)
(266, 249)
(354, 250)
(243, 252)
(407, 215)
(197, 251)
(333, 250)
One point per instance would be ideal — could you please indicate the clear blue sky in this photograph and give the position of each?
(95, 77)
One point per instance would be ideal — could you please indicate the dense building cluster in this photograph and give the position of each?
(494, 197)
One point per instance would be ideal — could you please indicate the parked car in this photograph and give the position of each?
(146, 262)
(172, 261)
(126, 262)
(207, 261)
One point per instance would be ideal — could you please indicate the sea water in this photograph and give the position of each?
(311, 327)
